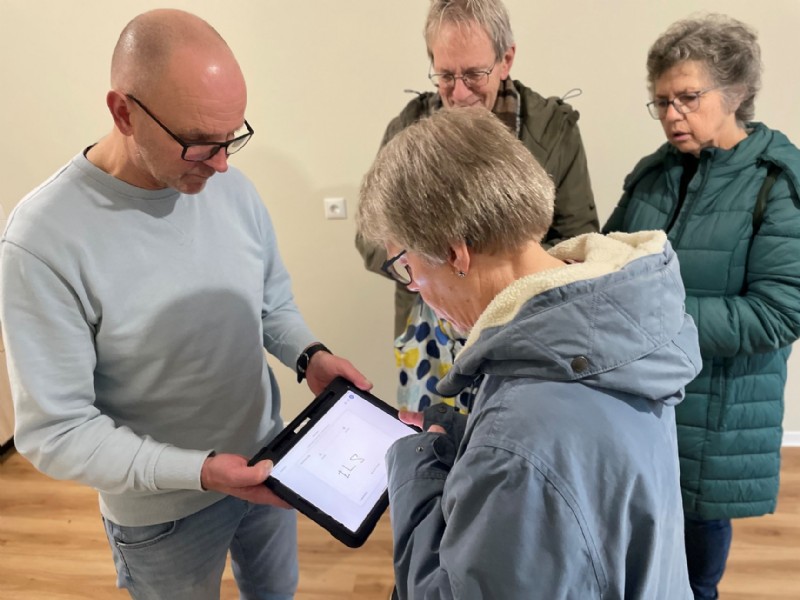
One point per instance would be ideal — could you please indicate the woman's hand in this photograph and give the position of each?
(417, 418)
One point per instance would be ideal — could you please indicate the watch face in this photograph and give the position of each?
(302, 363)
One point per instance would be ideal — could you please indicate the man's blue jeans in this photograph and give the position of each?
(707, 546)
(185, 559)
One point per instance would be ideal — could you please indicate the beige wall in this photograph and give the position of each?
(324, 79)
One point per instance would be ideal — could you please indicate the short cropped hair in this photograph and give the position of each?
(491, 15)
(727, 48)
(458, 175)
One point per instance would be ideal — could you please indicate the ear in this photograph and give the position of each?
(460, 258)
(120, 111)
(734, 99)
(507, 61)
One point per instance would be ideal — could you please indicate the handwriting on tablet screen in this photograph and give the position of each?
(347, 455)
(339, 465)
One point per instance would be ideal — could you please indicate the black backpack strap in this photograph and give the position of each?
(773, 173)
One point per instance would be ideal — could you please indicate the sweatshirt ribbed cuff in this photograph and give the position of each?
(179, 469)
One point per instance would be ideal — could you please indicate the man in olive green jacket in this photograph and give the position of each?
(471, 48)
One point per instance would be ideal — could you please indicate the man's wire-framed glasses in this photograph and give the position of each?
(200, 151)
(683, 103)
(397, 271)
(474, 78)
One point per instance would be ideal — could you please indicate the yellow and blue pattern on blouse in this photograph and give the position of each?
(424, 354)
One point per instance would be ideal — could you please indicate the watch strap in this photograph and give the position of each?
(305, 358)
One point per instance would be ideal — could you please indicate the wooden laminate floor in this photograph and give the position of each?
(52, 547)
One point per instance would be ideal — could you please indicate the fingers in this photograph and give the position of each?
(360, 381)
(418, 418)
(241, 475)
(411, 418)
(261, 470)
(230, 474)
(270, 498)
(230, 471)
(346, 369)
(324, 367)
(259, 494)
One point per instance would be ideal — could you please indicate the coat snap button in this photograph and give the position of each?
(580, 364)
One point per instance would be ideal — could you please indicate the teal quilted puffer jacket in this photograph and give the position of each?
(742, 278)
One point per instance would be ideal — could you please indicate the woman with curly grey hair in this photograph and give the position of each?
(563, 480)
(725, 189)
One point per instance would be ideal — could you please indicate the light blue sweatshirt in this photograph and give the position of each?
(134, 323)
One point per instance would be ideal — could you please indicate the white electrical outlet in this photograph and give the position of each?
(335, 208)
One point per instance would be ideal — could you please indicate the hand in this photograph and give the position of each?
(325, 367)
(229, 474)
(417, 419)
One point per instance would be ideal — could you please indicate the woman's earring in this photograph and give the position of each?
(462, 274)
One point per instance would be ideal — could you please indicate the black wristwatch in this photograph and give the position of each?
(305, 358)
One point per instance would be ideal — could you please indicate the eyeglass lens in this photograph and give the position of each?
(400, 272)
(471, 80)
(683, 103)
(202, 152)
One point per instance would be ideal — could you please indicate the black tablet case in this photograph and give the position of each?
(293, 432)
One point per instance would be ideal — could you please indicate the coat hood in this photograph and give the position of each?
(614, 320)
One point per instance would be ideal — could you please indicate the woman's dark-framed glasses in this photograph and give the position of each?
(200, 151)
(683, 103)
(396, 270)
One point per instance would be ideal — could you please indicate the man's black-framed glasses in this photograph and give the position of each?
(683, 103)
(474, 78)
(201, 151)
(396, 270)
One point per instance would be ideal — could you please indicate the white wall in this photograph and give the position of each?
(324, 79)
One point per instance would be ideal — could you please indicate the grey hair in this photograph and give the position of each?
(727, 48)
(458, 175)
(491, 15)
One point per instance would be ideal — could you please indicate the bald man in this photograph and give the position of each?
(140, 285)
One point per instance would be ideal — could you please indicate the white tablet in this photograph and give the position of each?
(330, 460)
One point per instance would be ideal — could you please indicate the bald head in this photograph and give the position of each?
(149, 43)
(175, 82)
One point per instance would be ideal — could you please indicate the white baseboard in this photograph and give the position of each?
(791, 438)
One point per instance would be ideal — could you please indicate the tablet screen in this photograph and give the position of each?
(339, 465)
